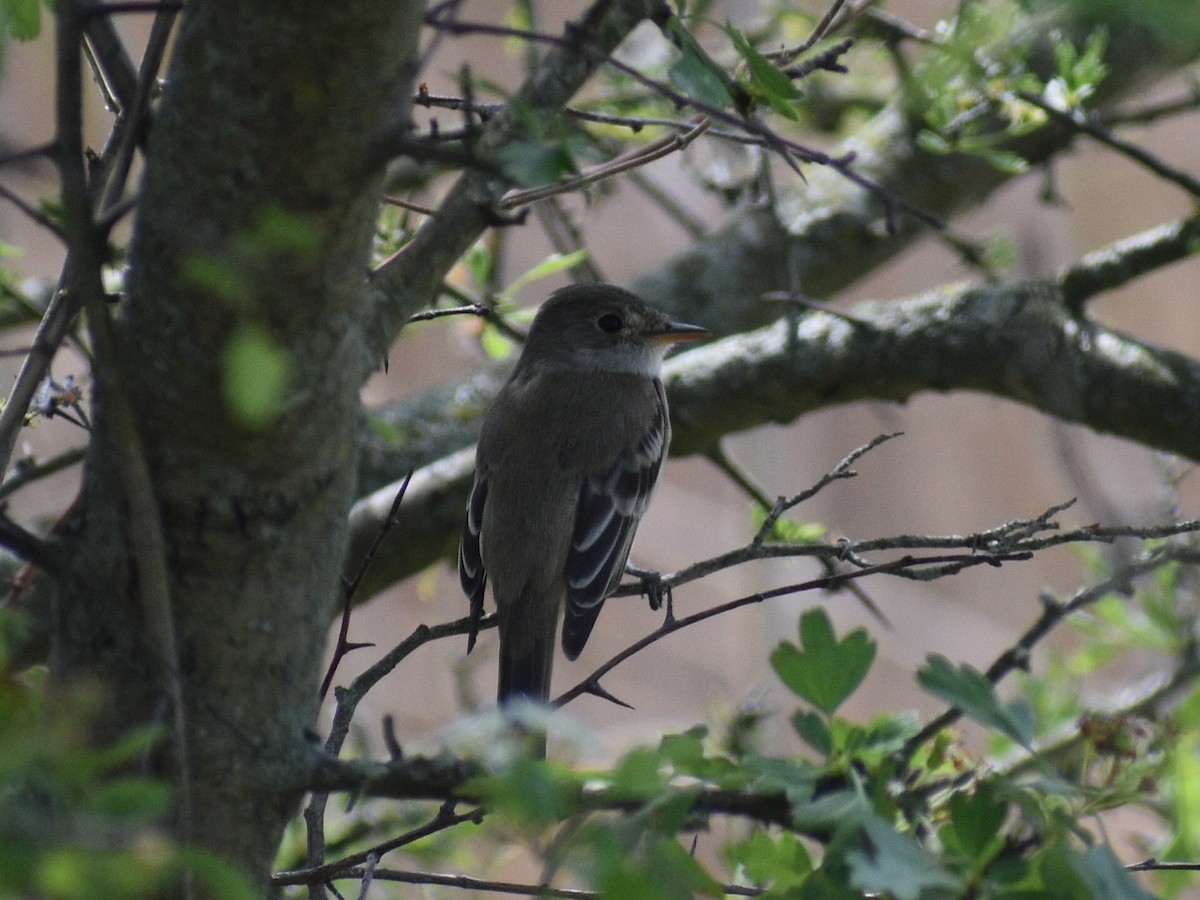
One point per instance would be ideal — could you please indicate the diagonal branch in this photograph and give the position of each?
(405, 283)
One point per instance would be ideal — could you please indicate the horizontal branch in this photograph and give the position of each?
(1021, 342)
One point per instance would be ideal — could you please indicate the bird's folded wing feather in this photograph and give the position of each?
(610, 504)
(471, 573)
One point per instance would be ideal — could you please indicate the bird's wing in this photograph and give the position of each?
(611, 502)
(471, 573)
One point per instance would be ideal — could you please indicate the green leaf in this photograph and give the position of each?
(256, 371)
(823, 671)
(770, 83)
(551, 265)
(481, 263)
(695, 73)
(975, 821)
(813, 731)
(967, 689)
(21, 18)
(897, 866)
(131, 798)
(795, 778)
(788, 532)
(780, 861)
(1007, 162)
(637, 774)
(217, 877)
(533, 793)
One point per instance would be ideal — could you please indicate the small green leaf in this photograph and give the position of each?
(695, 73)
(256, 371)
(551, 265)
(813, 731)
(481, 263)
(1007, 162)
(795, 778)
(532, 793)
(975, 821)
(968, 690)
(496, 344)
(780, 861)
(637, 774)
(21, 18)
(788, 532)
(131, 798)
(824, 671)
(769, 82)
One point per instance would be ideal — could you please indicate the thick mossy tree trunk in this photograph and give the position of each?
(254, 226)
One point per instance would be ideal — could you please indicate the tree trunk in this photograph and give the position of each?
(256, 216)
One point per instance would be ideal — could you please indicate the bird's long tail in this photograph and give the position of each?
(526, 660)
(525, 664)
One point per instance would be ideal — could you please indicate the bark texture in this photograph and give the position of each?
(257, 211)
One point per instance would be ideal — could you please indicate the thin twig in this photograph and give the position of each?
(35, 214)
(946, 563)
(636, 158)
(27, 471)
(145, 538)
(105, 192)
(446, 818)
(789, 150)
(840, 471)
(349, 588)
(1133, 151)
(785, 57)
(739, 476)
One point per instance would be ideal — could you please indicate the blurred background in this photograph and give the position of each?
(966, 462)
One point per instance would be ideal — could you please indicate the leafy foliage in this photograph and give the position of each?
(76, 823)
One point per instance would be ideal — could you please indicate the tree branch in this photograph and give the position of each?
(1022, 342)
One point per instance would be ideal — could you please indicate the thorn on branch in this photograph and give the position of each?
(594, 688)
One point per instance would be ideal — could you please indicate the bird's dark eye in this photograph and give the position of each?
(610, 323)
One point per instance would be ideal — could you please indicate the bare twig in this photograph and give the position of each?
(785, 57)
(35, 214)
(840, 471)
(1102, 135)
(445, 818)
(105, 193)
(26, 472)
(349, 588)
(943, 564)
(634, 159)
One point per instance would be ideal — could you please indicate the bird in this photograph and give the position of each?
(568, 458)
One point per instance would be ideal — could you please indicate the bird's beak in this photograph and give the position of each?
(678, 333)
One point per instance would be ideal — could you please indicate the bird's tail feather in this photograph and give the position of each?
(525, 664)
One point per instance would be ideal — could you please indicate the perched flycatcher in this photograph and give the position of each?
(567, 461)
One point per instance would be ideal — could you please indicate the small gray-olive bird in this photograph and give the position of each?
(568, 458)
